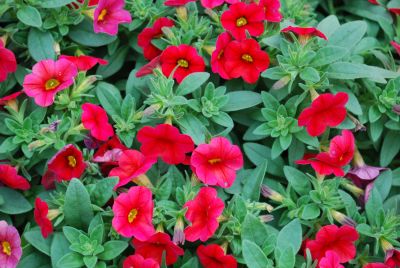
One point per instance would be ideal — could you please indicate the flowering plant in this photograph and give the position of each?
(210, 133)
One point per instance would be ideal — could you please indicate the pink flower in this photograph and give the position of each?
(140, 262)
(84, 63)
(8, 63)
(216, 163)
(47, 78)
(211, 3)
(10, 246)
(108, 15)
(95, 119)
(331, 260)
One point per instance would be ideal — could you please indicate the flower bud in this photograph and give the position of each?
(386, 245)
(212, 14)
(281, 82)
(271, 194)
(143, 180)
(209, 49)
(181, 13)
(168, 32)
(36, 144)
(179, 235)
(342, 219)
(396, 109)
(266, 218)
(53, 213)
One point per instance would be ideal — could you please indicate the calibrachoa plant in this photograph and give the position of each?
(199, 133)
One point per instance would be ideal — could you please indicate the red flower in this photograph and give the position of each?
(216, 163)
(217, 58)
(84, 63)
(183, 56)
(203, 212)
(392, 258)
(395, 10)
(213, 256)
(148, 34)
(100, 156)
(149, 67)
(304, 32)
(241, 17)
(327, 110)
(271, 10)
(95, 119)
(339, 240)
(8, 63)
(9, 177)
(245, 59)
(133, 213)
(9, 98)
(322, 163)
(211, 3)
(176, 3)
(40, 214)
(137, 261)
(373, 2)
(108, 15)
(396, 46)
(155, 246)
(165, 141)
(67, 164)
(331, 260)
(376, 265)
(131, 164)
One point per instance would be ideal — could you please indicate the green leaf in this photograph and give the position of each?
(289, 236)
(328, 55)
(310, 74)
(115, 63)
(298, 180)
(110, 98)
(77, 207)
(112, 249)
(254, 230)
(71, 260)
(15, 202)
(40, 45)
(102, 191)
(329, 25)
(34, 260)
(72, 234)
(54, 3)
(30, 16)
(84, 34)
(192, 82)
(390, 148)
(374, 204)
(90, 261)
(253, 255)
(286, 258)
(258, 153)
(252, 187)
(310, 212)
(59, 247)
(239, 100)
(384, 183)
(35, 238)
(303, 136)
(349, 34)
(193, 127)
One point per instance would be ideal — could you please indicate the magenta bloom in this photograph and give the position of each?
(108, 15)
(47, 78)
(10, 246)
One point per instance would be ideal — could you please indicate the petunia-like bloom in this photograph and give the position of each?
(211, 3)
(47, 78)
(67, 164)
(216, 163)
(304, 33)
(83, 62)
(241, 17)
(330, 260)
(40, 214)
(213, 256)
(155, 246)
(322, 163)
(327, 110)
(392, 258)
(339, 240)
(165, 141)
(183, 60)
(177, 3)
(8, 63)
(137, 261)
(131, 164)
(108, 15)
(271, 10)
(133, 213)
(218, 56)
(108, 154)
(396, 46)
(9, 177)
(147, 35)
(10, 246)
(376, 265)
(203, 212)
(95, 119)
(245, 59)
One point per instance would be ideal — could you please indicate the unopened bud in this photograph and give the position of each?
(271, 194)
(396, 109)
(386, 245)
(168, 33)
(181, 13)
(89, 13)
(57, 49)
(143, 180)
(281, 82)
(353, 189)
(36, 144)
(213, 15)
(342, 219)
(53, 213)
(266, 218)
(209, 49)
(179, 235)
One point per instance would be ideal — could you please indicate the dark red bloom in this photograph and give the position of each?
(218, 56)
(216, 163)
(40, 214)
(149, 67)
(106, 154)
(396, 46)
(327, 110)
(137, 261)
(376, 265)
(395, 10)
(184, 59)
(95, 119)
(155, 246)
(203, 212)
(339, 240)
(271, 10)
(241, 17)
(304, 32)
(392, 258)
(165, 141)
(67, 163)
(148, 34)
(245, 59)
(8, 63)
(9, 177)
(213, 256)
(176, 3)
(84, 63)
(331, 260)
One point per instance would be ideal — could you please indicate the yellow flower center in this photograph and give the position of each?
(102, 15)
(214, 161)
(132, 215)
(247, 57)
(6, 248)
(51, 84)
(183, 63)
(241, 22)
(71, 161)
